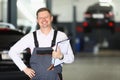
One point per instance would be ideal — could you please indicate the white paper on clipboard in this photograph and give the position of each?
(63, 45)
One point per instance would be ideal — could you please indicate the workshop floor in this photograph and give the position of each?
(93, 68)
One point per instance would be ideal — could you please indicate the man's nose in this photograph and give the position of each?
(43, 19)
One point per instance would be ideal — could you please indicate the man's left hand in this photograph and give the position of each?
(57, 54)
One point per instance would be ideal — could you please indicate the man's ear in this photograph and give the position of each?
(51, 18)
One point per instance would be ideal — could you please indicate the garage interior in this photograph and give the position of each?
(97, 53)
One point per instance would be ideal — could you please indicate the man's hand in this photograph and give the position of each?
(30, 72)
(57, 54)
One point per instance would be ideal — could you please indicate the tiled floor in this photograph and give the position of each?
(93, 68)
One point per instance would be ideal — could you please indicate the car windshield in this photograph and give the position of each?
(97, 8)
(6, 25)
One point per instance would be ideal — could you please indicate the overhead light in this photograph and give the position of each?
(25, 11)
(105, 4)
(107, 1)
(38, 4)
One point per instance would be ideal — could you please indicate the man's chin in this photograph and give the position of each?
(45, 26)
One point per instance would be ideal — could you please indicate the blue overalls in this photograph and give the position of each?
(41, 59)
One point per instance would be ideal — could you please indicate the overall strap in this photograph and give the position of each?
(35, 39)
(54, 38)
(53, 41)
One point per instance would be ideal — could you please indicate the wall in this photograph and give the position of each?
(3, 10)
(64, 9)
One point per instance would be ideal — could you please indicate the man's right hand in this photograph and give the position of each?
(30, 72)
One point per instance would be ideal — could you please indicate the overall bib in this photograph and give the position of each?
(41, 59)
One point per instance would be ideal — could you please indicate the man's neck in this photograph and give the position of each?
(46, 30)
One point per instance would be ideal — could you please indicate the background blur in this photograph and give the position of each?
(94, 33)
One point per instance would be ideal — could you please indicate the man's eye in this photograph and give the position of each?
(40, 18)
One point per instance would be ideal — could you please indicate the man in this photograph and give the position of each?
(44, 37)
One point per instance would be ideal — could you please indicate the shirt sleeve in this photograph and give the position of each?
(17, 49)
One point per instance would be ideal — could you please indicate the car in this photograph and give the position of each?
(99, 16)
(9, 34)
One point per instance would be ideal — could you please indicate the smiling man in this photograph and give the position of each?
(44, 52)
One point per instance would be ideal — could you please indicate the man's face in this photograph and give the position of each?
(44, 19)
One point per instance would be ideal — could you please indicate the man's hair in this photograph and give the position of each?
(43, 9)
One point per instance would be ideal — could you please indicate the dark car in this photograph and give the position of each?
(99, 16)
(9, 34)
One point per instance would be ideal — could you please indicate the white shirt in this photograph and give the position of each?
(44, 41)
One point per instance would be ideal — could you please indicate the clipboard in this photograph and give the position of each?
(51, 67)
(61, 42)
